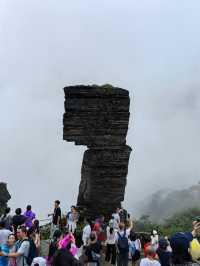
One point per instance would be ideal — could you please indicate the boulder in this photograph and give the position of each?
(4, 196)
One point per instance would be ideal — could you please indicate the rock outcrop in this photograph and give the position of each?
(98, 117)
(4, 196)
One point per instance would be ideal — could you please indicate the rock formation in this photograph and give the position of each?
(4, 196)
(98, 117)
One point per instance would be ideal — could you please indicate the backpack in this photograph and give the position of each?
(132, 248)
(195, 249)
(32, 251)
(123, 244)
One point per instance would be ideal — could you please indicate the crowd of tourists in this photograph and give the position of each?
(19, 237)
(110, 241)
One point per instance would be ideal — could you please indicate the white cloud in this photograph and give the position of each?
(148, 47)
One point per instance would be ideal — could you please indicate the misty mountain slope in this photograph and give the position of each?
(163, 204)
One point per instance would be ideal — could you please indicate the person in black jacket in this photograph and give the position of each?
(53, 247)
(163, 254)
(180, 244)
(7, 218)
(63, 257)
(93, 250)
(18, 220)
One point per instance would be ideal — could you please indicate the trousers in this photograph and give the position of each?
(111, 253)
(122, 259)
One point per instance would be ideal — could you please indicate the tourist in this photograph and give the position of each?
(129, 221)
(148, 244)
(150, 259)
(113, 223)
(102, 229)
(96, 227)
(123, 215)
(54, 243)
(163, 254)
(63, 257)
(86, 232)
(34, 242)
(7, 218)
(18, 219)
(129, 227)
(36, 230)
(110, 245)
(4, 233)
(116, 216)
(56, 217)
(72, 219)
(180, 244)
(93, 250)
(30, 216)
(134, 248)
(36, 226)
(68, 241)
(154, 239)
(122, 245)
(12, 249)
(4, 249)
(168, 247)
(17, 237)
(22, 254)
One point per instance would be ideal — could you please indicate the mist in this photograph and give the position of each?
(150, 48)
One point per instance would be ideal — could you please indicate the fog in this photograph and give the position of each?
(150, 48)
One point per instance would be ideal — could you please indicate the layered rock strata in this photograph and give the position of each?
(98, 117)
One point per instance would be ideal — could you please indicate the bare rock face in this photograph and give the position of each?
(98, 117)
(4, 196)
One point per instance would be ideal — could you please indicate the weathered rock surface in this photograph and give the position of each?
(4, 196)
(98, 117)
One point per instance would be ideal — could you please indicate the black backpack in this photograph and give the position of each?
(123, 245)
(32, 251)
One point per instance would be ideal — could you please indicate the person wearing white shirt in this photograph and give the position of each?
(116, 217)
(4, 233)
(86, 233)
(121, 231)
(154, 239)
(110, 245)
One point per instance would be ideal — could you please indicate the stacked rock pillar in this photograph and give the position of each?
(98, 117)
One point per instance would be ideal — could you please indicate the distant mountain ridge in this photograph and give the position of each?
(163, 204)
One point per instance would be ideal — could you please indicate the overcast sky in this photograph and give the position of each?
(150, 47)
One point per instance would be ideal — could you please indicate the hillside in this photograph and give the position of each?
(163, 204)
